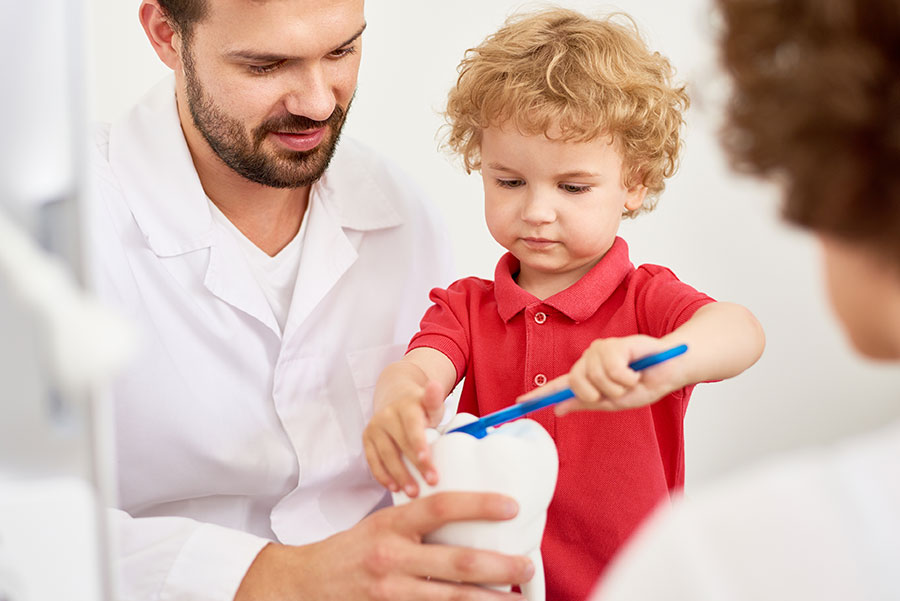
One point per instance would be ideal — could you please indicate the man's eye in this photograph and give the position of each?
(510, 183)
(342, 52)
(263, 69)
(575, 188)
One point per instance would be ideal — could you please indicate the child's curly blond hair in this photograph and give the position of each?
(559, 71)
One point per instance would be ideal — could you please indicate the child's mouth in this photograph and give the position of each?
(538, 243)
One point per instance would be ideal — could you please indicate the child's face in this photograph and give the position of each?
(555, 205)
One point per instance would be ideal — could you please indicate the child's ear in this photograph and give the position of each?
(635, 196)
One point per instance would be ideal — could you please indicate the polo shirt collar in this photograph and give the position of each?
(577, 302)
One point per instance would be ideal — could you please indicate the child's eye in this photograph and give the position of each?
(263, 69)
(575, 188)
(510, 183)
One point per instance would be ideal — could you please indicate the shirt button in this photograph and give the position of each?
(540, 318)
(540, 380)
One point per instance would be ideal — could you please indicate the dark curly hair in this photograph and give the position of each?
(816, 105)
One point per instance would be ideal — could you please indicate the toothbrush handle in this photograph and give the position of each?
(566, 394)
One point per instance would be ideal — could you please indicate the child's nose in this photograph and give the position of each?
(538, 209)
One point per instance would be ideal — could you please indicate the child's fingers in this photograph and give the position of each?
(414, 445)
(621, 374)
(584, 388)
(568, 407)
(392, 460)
(608, 371)
(585, 391)
(433, 403)
(376, 467)
(575, 405)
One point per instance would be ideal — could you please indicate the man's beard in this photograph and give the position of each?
(279, 169)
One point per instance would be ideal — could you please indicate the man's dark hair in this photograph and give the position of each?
(816, 104)
(184, 14)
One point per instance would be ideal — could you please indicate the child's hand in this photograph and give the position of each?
(602, 380)
(398, 429)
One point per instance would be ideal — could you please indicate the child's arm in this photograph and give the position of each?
(723, 340)
(409, 397)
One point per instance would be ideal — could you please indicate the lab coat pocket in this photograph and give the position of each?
(365, 366)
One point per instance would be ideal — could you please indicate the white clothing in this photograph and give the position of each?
(823, 526)
(230, 432)
(276, 276)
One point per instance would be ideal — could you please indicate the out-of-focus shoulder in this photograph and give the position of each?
(100, 139)
(98, 153)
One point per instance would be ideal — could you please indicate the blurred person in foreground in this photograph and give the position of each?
(815, 106)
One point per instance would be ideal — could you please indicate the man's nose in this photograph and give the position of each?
(538, 208)
(311, 94)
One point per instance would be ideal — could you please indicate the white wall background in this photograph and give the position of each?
(717, 231)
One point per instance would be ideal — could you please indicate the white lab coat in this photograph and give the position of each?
(229, 433)
(823, 526)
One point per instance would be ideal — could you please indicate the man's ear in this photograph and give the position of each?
(165, 41)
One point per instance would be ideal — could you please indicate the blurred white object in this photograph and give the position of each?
(57, 347)
(47, 529)
(517, 459)
(822, 524)
(40, 39)
(80, 344)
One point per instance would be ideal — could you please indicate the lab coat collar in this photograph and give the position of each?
(149, 155)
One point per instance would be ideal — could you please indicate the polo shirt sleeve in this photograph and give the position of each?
(446, 326)
(663, 302)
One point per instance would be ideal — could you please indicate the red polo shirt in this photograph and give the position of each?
(613, 467)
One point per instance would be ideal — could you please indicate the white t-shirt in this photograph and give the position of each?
(823, 525)
(276, 275)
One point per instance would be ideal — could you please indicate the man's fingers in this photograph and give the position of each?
(460, 564)
(436, 590)
(430, 513)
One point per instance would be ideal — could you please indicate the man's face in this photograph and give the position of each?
(268, 84)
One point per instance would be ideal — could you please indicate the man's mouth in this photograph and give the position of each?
(303, 141)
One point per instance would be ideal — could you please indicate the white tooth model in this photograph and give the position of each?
(517, 459)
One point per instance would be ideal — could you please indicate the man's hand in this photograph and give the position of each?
(383, 558)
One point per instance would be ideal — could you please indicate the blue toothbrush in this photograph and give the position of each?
(479, 428)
